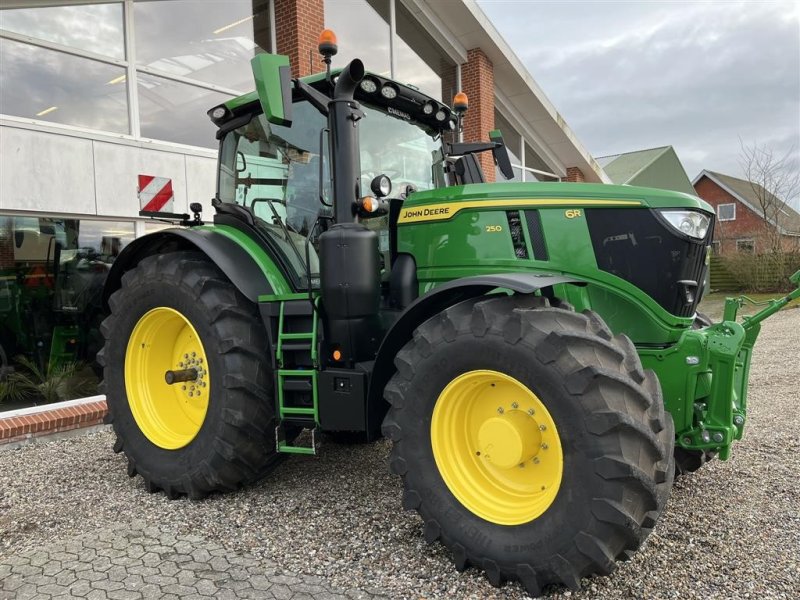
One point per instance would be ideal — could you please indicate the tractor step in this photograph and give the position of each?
(282, 446)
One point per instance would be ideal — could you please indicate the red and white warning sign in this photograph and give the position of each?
(155, 193)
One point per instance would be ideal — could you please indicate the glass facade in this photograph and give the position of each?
(363, 31)
(52, 272)
(78, 65)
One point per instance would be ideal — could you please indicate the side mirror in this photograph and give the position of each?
(500, 154)
(273, 77)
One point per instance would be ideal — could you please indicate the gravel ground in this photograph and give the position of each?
(731, 530)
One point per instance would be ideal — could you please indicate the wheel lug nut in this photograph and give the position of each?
(186, 356)
(190, 394)
(536, 460)
(183, 387)
(531, 412)
(542, 428)
(514, 405)
(544, 446)
(194, 354)
(500, 410)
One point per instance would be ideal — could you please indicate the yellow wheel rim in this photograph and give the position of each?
(497, 447)
(170, 416)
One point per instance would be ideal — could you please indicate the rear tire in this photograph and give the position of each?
(616, 439)
(235, 443)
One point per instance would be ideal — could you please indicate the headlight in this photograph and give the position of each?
(689, 222)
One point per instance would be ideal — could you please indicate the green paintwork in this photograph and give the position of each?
(271, 272)
(650, 197)
(269, 86)
(703, 372)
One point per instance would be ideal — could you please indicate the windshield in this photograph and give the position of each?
(275, 172)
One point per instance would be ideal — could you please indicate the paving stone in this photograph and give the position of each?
(124, 595)
(205, 587)
(281, 591)
(28, 591)
(26, 570)
(97, 595)
(80, 588)
(107, 585)
(160, 580)
(180, 590)
(260, 582)
(169, 568)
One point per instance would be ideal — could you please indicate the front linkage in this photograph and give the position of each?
(705, 375)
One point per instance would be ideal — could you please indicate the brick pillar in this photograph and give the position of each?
(477, 81)
(575, 175)
(298, 24)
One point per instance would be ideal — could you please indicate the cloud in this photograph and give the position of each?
(700, 77)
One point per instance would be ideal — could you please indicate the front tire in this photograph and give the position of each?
(611, 481)
(216, 432)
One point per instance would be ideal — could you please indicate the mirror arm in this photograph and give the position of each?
(317, 99)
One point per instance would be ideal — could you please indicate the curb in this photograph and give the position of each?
(40, 421)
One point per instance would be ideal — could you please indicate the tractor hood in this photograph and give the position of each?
(444, 203)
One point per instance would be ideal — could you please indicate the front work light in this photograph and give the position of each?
(381, 186)
(369, 85)
(689, 222)
(389, 92)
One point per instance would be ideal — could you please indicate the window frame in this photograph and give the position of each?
(719, 214)
(750, 241)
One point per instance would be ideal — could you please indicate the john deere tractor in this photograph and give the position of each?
(532, 350)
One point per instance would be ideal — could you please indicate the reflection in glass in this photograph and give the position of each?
(208, 40)
(176, 112)
(362, 30)
(96, 28)
(52, 86)
(418, 58)
(392, 146)
(534, 161)
(52, 272)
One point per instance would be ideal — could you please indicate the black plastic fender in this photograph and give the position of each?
(229, 256)
(431, 304)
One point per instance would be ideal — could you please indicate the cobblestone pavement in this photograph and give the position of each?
(137, 562)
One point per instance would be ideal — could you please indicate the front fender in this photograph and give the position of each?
(431, 304)
(232, 259)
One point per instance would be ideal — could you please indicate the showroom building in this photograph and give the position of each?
(100, 101)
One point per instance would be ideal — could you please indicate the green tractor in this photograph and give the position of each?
(532, 350)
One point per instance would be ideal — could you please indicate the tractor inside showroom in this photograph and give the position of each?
(532, 350)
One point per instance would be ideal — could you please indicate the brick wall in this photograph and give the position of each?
(575, 175)
(477, 81)
(747, 225)
(298, 24)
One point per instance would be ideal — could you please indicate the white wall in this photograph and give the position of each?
(62, 171)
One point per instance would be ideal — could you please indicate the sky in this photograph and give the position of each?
(703, 77)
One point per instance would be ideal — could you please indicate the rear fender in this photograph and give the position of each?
(431, 304)
(232, 259)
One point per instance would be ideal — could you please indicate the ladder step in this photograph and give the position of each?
(281, 445)
(295, 347)
(296, 372)
(296, 336)
(298, 385)
(292, 410)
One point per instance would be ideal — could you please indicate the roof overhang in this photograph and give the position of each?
(461, 26)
